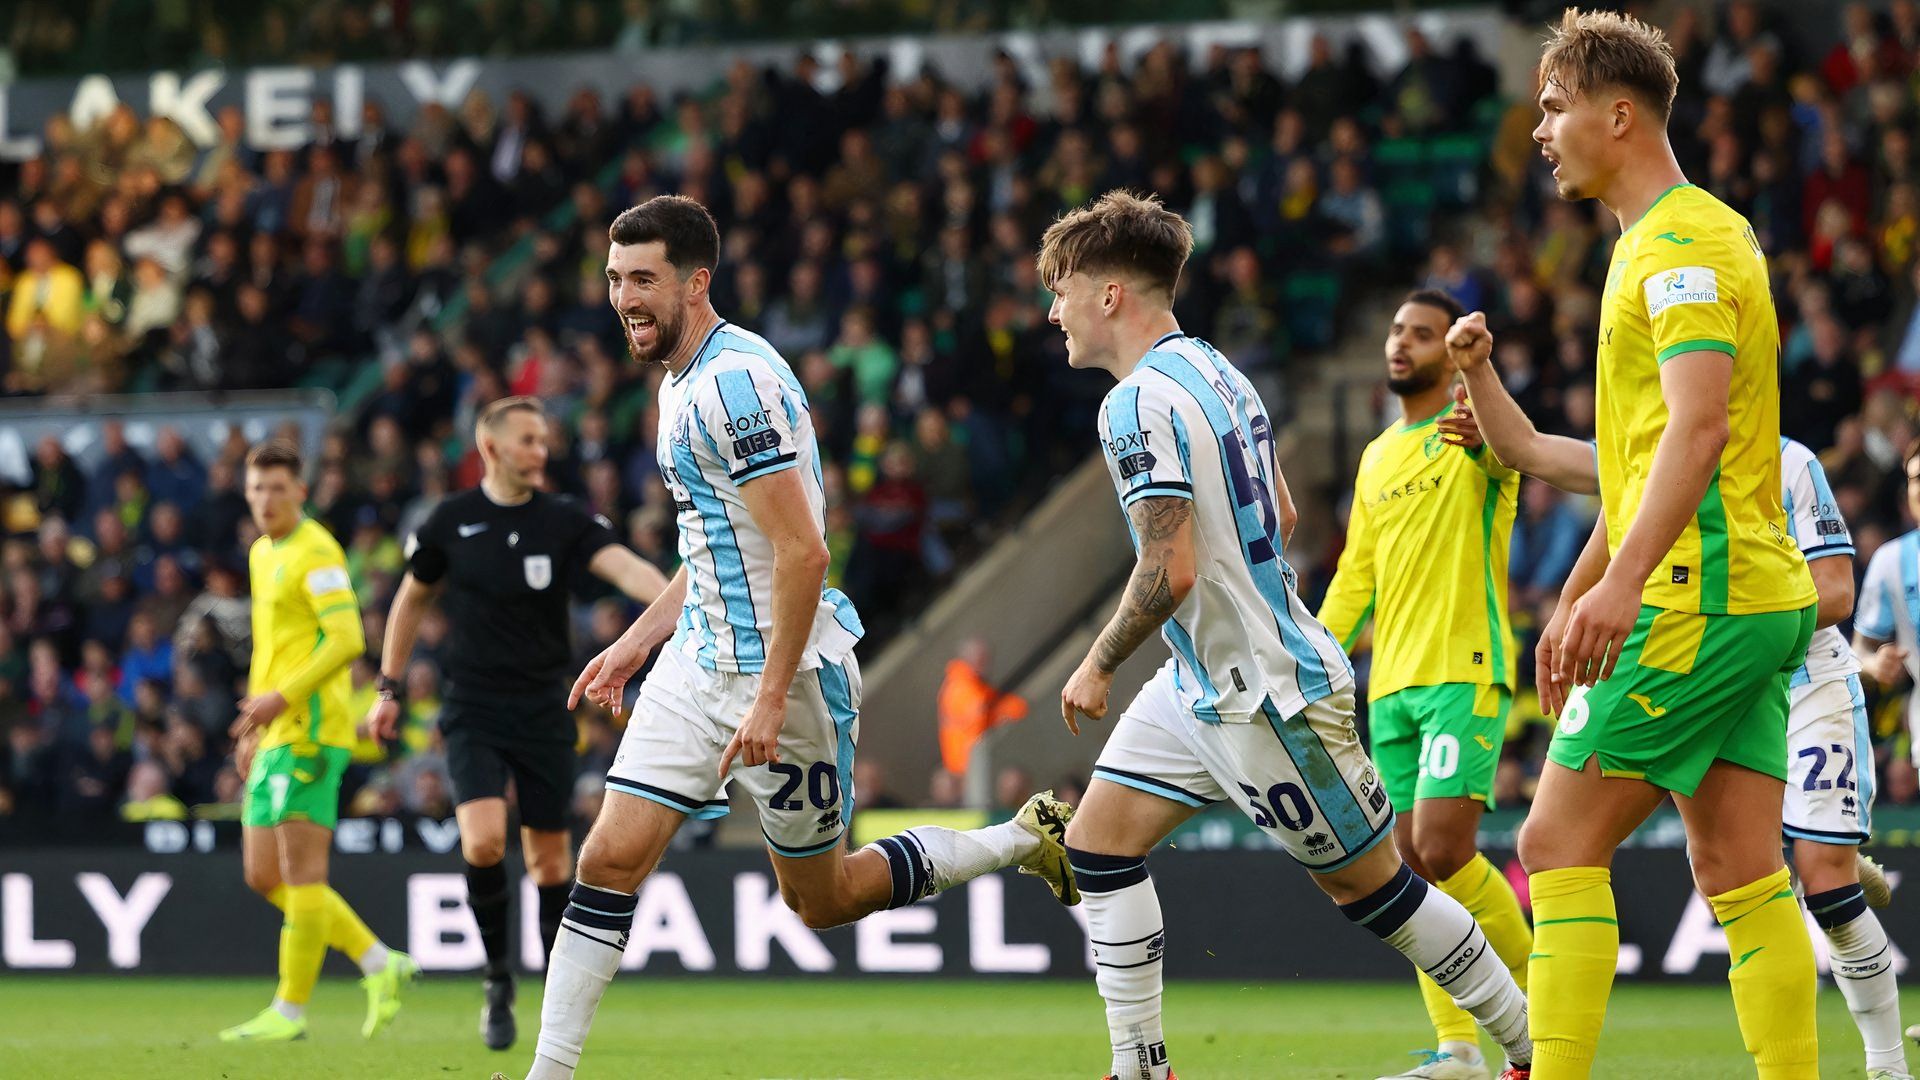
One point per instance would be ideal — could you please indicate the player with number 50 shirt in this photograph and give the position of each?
(1256, 706)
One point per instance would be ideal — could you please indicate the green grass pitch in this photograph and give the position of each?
(135, 1028)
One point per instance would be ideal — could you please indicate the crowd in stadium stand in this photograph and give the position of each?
(881, 237)
(55, 36)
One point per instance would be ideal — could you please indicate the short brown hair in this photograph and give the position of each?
(492, 416)
(276, 454)
(1597, 50)
(1119, 233)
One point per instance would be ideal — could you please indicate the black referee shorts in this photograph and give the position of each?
(481, 756)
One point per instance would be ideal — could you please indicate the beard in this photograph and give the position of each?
(1421, 381)
(666, 338)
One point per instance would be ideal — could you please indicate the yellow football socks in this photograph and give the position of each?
(1773, 976)
(347, 933)
(1483, 890)
(1576, 946)
(303, 942)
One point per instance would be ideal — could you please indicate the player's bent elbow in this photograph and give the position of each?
(1834, 606)
(1709, 434)
(809, 556)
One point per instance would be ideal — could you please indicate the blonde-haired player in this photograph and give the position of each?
(1691, 607)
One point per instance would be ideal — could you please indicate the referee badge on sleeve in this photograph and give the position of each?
(539, 571)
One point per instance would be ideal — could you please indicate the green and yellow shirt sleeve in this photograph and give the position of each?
(1692, 298)
(328, 590)
(1349, 601)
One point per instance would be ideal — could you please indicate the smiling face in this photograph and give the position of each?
(650, 297)
(1081, 304)
(1416, 349)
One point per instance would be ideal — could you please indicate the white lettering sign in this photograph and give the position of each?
(664, 921)
(876, 947)
(761, 918)
(18, 947)
(124, 917)
(987, 946)
(279, 100)
(441, 933)
(186, 104)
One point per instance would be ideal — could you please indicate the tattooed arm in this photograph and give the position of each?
(1162, 575)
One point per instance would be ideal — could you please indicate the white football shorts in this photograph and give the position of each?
(1305, 779)
(687, 713)
(1830, 774)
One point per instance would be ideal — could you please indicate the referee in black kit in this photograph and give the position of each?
(499, 559)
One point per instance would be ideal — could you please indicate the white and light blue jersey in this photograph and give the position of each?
(1187, 424)
(1821, 532)
(732, 415)
(1889, 606)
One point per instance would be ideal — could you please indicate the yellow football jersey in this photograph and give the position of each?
(1426, 560)
(306, 635)
(1689, 276)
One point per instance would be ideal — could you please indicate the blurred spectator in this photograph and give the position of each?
(1547, 538)
(48, 293)
(148, 797)
(970, 706)
(1011, 787)
(870, 786)
(1818, 394)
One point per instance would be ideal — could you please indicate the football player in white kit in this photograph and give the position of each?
(1256, 708)
(758, 683)
(1830, 786)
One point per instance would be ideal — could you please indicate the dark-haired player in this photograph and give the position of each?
(295, 725)
(1426, 563)
(757, 683)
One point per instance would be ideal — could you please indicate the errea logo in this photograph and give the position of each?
(1681, 285)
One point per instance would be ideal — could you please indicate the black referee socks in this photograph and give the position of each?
(553, 907)
(487, 896)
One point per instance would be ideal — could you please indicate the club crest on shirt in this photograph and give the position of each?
(539, 569)
(1433, 445)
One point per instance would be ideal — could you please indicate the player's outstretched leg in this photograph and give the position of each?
(929, 859)
(625, 845)
(833, 888)
(1862, 958)
(1863, 969)
(1430, 928)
